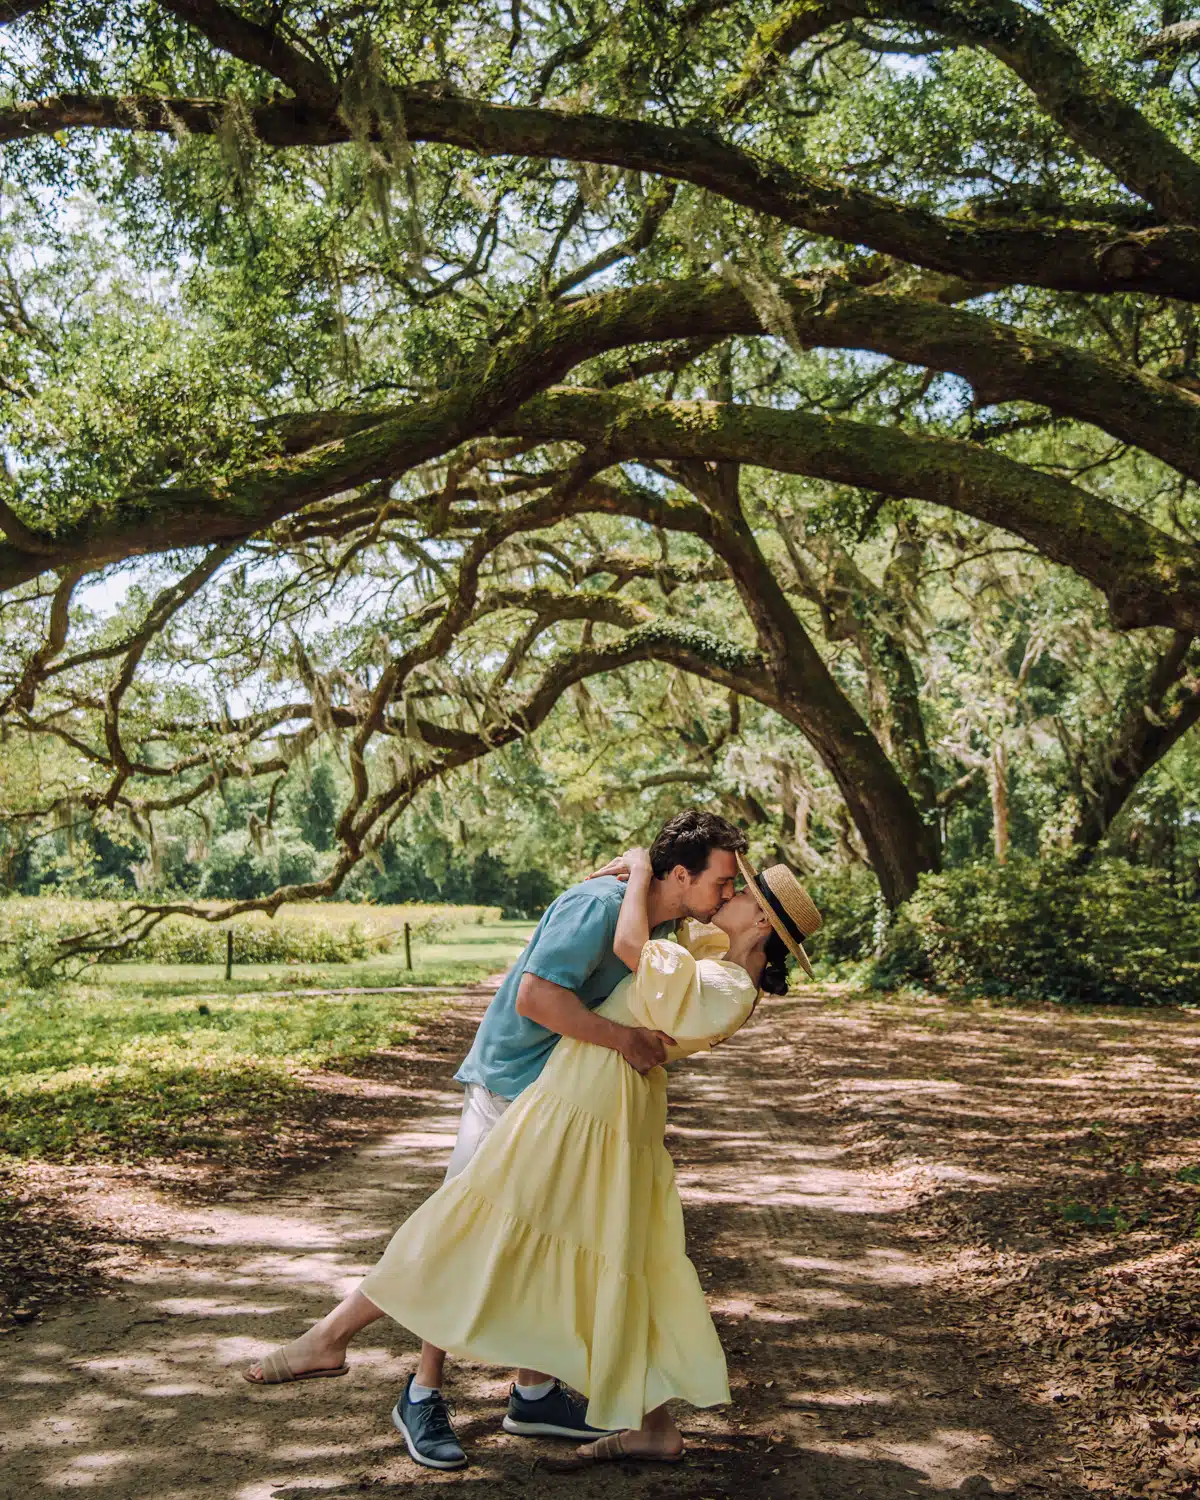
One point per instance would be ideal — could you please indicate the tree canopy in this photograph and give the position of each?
(804, 393)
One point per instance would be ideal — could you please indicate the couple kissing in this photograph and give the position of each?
(555, 1245)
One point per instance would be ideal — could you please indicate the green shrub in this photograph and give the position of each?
(853, 915)
(1046, 929)
(237, 871)
(32, 955)
(32, 930)
(257, 940)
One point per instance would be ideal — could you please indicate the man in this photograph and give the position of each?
(567, 969)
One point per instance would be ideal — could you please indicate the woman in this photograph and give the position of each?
(561, 1246)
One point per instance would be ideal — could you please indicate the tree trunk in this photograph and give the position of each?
(900, 842)
(1156, 719)
(998, 789)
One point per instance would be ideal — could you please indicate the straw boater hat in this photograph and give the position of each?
(786, 904)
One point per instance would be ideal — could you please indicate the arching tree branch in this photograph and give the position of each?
(1066, 256)
(262, 46)
(356, 448)
(1147, 576)
(1173, 41)
(1110, 128)
(1114, 131)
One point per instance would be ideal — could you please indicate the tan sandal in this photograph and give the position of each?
(611, 1450)
(277, 1371)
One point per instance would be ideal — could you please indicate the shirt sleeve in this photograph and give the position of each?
(699, 1002)
(576, 940)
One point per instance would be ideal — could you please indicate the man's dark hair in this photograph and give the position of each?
(688, 840)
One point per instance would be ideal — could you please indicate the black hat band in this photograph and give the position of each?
(773, 900)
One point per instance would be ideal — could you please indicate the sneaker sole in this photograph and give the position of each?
(418, 1458)
(549, 1429)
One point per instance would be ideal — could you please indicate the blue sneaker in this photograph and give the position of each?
(425, 1427)
(556, 1414)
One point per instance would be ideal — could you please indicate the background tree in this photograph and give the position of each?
(377, 384)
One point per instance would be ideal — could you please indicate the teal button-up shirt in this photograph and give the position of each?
(572, 946)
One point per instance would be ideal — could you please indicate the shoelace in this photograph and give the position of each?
(576, 1405)
(437, 1424)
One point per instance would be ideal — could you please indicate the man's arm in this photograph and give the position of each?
(564, 1012)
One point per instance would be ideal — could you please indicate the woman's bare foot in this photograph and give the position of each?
(311, 1351)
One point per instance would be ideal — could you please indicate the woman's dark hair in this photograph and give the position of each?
(774, 978)
(688, 840)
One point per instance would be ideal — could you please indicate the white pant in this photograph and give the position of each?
(481, 1109)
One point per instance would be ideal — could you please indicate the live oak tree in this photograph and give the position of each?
(411, 366)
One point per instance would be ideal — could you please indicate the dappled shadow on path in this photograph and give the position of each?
(847, 1375)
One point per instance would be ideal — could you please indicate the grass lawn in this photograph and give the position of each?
(149, 1060)
(463, 956)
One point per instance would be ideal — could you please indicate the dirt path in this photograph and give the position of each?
(850, 1376)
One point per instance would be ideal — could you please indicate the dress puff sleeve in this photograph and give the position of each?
(702, 939)
(698, 1001)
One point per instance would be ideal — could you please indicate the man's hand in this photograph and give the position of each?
(644, 1049)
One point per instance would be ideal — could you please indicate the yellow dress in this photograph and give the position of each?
(561, 1246)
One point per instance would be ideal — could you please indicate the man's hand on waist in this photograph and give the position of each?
(644, 1049)
(561, 1010)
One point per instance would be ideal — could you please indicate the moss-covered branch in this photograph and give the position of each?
(790, 676)
(355, 448)
(263, 46)
(1113, 130)
(1097, 118)
(1148, 577)
(1159, 713)
(1001, 362)
(1035, 250)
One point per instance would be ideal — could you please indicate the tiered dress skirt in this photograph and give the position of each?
(561, 1246)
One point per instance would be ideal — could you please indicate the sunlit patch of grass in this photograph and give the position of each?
(117, 1074)
(44, 1036)
(135, 1113)
(156, 1061)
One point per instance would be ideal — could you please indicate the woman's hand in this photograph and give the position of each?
(624, 864)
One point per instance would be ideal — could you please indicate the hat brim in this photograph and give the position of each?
(796, 949)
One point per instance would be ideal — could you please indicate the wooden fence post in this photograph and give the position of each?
(229, 953)
(407, 946)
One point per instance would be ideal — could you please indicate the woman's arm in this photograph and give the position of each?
(696, 1001)
(633, 923)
